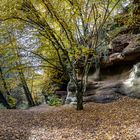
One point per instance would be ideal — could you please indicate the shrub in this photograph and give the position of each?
(12, 101)
(53, 100)
(2, 107)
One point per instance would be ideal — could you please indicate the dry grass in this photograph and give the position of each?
(119, 120)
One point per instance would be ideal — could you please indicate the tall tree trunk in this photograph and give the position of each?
(26, 89)
(3, 98)
(23, 80)
(4, 82)
(4, 101)
(74, 92)
(79, 97)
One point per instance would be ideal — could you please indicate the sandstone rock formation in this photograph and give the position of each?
(132, 84)
(125, 49)
(124, 52)
(108, 91)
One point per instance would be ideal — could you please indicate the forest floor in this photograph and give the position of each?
(119, 120)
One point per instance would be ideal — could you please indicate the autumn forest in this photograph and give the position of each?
(70, 69)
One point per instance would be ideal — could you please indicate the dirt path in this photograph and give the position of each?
(119, 120)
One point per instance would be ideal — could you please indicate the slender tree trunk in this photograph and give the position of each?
(74, 92)
(3, 98)
(4, 82)
(25, 86)
(79, 97)
(26, 89)
(4, 101)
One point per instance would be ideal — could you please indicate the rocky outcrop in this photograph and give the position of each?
(132, 84)
(125, 49)
(108, 91)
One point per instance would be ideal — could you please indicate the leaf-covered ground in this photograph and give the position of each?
(119, 120)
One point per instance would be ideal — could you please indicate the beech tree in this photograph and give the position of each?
(75, 29)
